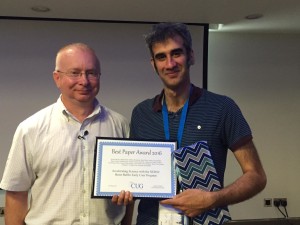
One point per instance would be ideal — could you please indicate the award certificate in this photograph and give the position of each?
(145, 168)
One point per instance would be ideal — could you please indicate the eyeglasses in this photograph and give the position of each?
(76, 74)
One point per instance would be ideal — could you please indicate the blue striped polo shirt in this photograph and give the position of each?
(211, 117)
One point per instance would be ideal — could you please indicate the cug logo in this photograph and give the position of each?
(136, 185)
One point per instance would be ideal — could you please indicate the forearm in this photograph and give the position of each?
(250, 183)
(193, 202)
(245, 187)
(16, 206)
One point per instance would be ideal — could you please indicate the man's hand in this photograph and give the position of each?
(192, 202)
(124, 198)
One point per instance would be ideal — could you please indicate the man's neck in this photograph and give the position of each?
(80, 110)
(175, 99)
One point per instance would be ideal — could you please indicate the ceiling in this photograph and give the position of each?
(278, 15)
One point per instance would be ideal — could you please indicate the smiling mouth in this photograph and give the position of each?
(172, 73)
(84, 91)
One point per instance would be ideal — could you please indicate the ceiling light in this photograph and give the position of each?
(254, 16)
(40, 8)
(215, 26)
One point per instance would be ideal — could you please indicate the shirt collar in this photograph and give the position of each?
(196, 94)
(67, 114)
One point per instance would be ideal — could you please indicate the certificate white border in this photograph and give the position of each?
(134, 156)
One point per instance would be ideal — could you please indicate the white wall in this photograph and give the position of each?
(262, 73)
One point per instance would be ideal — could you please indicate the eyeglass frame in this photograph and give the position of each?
(73, 74)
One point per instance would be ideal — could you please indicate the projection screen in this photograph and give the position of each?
(28, 50)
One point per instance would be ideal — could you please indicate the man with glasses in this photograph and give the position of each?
(48, 174)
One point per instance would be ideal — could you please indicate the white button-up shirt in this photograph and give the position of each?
(49, 159)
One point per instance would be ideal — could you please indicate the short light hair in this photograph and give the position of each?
(81, 46)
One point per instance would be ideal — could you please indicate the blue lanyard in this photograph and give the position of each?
(181, 123)
(185, 219)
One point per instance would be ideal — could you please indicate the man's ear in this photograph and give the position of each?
(191, 60)
(153, 65)
(56, 78)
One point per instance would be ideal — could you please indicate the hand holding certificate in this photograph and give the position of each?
(145, 168)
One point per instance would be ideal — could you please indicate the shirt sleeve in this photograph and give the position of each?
(18, 174)
(236, 131)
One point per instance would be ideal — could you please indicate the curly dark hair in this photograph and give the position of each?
(162, 31)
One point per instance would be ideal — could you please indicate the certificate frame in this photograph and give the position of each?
(143, 167)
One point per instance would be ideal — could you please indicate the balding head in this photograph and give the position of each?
(68, 49)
